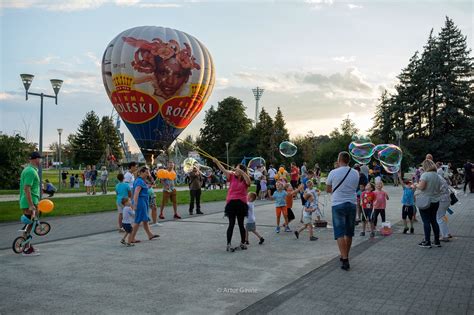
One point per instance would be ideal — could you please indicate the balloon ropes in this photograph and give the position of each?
(158, 79)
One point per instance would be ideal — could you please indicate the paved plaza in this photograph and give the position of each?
(83, 268)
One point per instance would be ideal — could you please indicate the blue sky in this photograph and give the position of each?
(318, 60)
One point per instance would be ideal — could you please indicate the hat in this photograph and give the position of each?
(35, 155)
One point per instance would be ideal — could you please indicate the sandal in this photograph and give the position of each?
(154, 236)
(135, 241)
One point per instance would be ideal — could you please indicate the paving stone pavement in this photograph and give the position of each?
(391, 275)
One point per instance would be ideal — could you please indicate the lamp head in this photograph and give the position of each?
(26, 79)
(56, 85)
(60, 131)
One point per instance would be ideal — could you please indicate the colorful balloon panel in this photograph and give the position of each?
(158, 79)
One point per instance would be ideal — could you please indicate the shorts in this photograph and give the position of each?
(343, 219)
(307, 220)
(87, 183)
(367, 214)
(127, 227)
(119, 207)
(407, 211)
(280, 210)
(169, 195)
(251, 227)
(152, 201)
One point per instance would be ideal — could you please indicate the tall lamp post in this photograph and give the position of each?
(27, 79)
(398, 134)
(257, 92)
(227, 153)
(60, 131)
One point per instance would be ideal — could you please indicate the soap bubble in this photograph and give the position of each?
(392, 169)
(288, 149)
(254, 164)
(378, 148)
(361, 150)
(391, 155)
(361, 160)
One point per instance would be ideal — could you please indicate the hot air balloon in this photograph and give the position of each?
(158, 79)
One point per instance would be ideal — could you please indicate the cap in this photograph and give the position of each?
(35, 155)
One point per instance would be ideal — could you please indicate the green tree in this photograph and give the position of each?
(88, 143)
(280, 134)
(111, 137)
(221, 125)
(14, 153)
(264, 132)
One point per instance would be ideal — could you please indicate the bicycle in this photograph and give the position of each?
(38, 227)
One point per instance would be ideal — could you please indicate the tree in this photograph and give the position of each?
(14, 153)
(224, 124)
(88, 143)
(280, 134)
(264, 131)
(111, 138)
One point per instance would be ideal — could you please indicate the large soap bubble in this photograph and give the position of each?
(361, 160)
(391, 155)
(392, 169)
(378, 148)
(361, 150)
(254, 164)
(288, 149)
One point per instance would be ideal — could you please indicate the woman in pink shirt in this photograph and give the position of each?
(380, 203)
(236, 201)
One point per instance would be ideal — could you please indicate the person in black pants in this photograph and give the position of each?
(467, 175)
(236, 207)
(195, 180)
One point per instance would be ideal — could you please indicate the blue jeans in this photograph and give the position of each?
(343, 219)
(429, 221)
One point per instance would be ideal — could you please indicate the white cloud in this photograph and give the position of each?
(6, 96)
(344, 59)
(78, 5)
(42, 61)
(354, 6)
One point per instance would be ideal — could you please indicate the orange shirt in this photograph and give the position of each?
(289, 199)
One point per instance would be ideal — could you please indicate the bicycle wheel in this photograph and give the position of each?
(19, 244)
(42, 228)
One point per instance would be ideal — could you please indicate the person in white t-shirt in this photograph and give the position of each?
(342, 182)
(250, 226)
(271, 179)
(129, 176)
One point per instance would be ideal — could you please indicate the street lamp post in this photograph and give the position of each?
(257, 92)
(60, 131)
(227, 153)
(56, 84)
(398, 134)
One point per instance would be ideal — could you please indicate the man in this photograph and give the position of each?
(93, 178)
(271, 178)
(195, 180)
(304, 169)
(64, 175)
(342, 182)
(169, 192)
(294, 175)
(257, 176)
(467, 175)
(49, 188)
(30, 196)
(129, 176)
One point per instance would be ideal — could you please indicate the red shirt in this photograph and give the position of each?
(295, 173)
(368, 199)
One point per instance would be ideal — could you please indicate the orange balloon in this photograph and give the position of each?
(171, 175)
(162, 174)
(45, 206)
(281, 170)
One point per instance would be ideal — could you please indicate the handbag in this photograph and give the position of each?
(453, 198)
(422, 202)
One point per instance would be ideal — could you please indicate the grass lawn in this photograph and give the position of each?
(9, 210)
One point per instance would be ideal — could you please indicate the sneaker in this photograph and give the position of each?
(412, 230)
(372, 234)
(122, 241)
(156, 224)
(261, 241)
(129, 244)
(162, 217)
(199, 212)
(313, 238)
(445, 239)
(297, 234)
(405, 230)
(425, 244)
(362, 234)
(177, 216)
(247, 243)
(30, 252)
(287, 229)
(437, 244)
(277, 229)
(243, 246)
(345, 264)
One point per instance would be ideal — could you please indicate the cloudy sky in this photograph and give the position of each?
(318, 60)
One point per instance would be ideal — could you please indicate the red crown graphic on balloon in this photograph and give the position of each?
(122, 82)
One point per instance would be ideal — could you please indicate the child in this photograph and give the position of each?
(368, 198)
(122, 190)
(408, 205)
(250, 226)
(380, 203)
(280, 203)
(309, 208)
(263, 188)
(310, 190)
(76, 181)
(128, 215)
(152, 202)
(289, 199)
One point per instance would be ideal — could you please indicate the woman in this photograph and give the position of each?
(236, 201)
(104, 177)
(430, 188)
(444, 203)
(140, 205)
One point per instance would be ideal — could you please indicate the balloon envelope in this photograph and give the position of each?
(158, 79)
